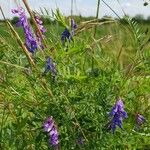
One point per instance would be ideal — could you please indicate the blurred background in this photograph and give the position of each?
(133, 8)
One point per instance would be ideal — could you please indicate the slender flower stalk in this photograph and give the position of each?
(50, 127)
(30, 41)
(118, 114)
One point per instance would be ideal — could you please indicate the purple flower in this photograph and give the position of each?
(54, 136)
(50, 127)
(118, 107)
(42, 29)
(50, 66)
(30, 41)
(73, 26)
(66, 36)
(140, 119)
(118, 114)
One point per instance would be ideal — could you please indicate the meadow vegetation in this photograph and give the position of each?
(93, 71)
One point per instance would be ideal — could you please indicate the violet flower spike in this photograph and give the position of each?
(30, 41)
(50, 127)
(66, 36)
(118, 107)
(118, 114)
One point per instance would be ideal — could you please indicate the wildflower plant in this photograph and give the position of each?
(50, 127)
(30, 41)
(118, 114)
(66, 36)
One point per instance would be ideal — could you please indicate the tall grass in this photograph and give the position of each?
(82, 94)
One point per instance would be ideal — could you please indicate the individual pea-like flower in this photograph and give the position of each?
(41, 28)
(140, 119)
(50, 66)
(49, 126)
(118, 114)
(30, 41)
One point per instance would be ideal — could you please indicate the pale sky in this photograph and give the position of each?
(83, 7)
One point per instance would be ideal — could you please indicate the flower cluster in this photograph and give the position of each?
(118, 114)
(50, 66)
(66, 35)
(50, 127)
(30, 41)
(41, 28)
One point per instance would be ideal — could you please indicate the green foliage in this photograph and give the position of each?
(83, 93)
(60, 18)
(136, 29)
